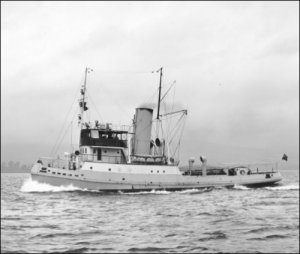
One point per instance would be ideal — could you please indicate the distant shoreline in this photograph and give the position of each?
(15, 167)
(14, 172)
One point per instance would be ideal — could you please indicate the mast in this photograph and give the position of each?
(82, 101)
(159, 93)
(83, 95)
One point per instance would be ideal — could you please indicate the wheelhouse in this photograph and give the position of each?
(103, 145)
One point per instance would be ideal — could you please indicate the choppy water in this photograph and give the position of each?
(41, 218)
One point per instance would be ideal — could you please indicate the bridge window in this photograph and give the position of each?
(94, 134)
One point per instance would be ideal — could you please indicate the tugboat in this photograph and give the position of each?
(138, 157)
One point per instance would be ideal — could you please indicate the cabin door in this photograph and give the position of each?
(99, 154)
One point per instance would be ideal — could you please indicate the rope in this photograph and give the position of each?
(65, 133)
(115, 102)
(175, 132)
(178, 145)
(66, 117)
(90, 97)
(177, 127)
(152, 96)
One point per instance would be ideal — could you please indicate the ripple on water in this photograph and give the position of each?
(205, 213)
(273, 228)
(78, 250)
(79, 221)
(217, 235)
(268, 237)
(147, 249)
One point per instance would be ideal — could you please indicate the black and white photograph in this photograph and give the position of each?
(149, 126)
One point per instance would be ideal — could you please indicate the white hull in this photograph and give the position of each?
(130, 177)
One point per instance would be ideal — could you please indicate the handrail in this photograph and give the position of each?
(109, 158)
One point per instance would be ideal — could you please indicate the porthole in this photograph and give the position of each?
(164, 171)
(123, 179)
(64, 174)
(53, 173)
(91, 167)
(59, 173)
(109, 169)
(151, 171)
(82, 174)
(70, 174)
(157, 171)
(76, 175)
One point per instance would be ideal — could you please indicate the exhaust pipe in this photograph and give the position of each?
(203, 166)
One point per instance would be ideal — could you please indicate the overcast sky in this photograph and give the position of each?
(236, 66)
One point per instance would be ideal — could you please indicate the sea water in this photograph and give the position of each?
(41, 218)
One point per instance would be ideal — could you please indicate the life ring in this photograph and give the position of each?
(242, 171)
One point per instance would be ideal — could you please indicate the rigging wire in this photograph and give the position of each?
(179, 142)
(179, 127)
(70, 125)
(63, 126)
(176, 128)
(115, 102)
(152, 96)
(132, 72)
(90, 97)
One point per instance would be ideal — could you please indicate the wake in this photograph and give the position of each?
(284, 187)
(30, 185)
(272, 188)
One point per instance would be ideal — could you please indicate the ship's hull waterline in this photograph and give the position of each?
(114, 181)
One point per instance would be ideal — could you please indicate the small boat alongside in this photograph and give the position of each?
(139, 157)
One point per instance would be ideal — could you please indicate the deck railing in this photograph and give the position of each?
(55, 162)
(104, 158)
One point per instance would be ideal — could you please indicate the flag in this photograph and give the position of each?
(284, 157)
